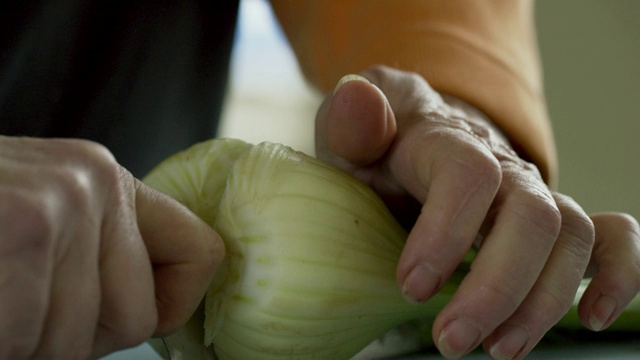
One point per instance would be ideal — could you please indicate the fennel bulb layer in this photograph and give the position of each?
(311, 259)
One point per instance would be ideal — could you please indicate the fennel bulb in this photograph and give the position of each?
(311, 256)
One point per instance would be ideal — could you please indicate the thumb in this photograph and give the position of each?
(355, 123)
(184, 251)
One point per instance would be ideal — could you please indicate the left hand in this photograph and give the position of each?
(440, 158)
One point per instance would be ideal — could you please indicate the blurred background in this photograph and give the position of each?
(591, 57)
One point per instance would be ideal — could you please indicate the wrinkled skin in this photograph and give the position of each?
(91, 260)
(446, 170)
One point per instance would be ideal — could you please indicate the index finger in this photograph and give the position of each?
(184, 251)
(462, 178)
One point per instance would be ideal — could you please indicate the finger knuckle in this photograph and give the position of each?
(537, 208)
(74, 186)
(414, 77)
(408, 85)
(580, 226)
(580, 233)
(522, 171)
(556, 303)
(94, 158)
(28, 224)
(88, 169)
(577, 232)
(380, 75)
(548, 308)
(103, 165)
(505, 295)
(86, 149)
(477, 167)
(486, 168)
(456, 146)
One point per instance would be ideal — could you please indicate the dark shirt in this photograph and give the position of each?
(145, 78)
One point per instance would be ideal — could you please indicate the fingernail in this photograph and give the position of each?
(458, 338)
(511, 344)
(347, 78)
(423, 280)
(601, 312)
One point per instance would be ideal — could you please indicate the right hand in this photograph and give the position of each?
(91, 259)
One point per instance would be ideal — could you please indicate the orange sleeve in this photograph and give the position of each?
(482, 51)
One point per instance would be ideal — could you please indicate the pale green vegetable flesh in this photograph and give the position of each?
(197, 176)
(311, 256)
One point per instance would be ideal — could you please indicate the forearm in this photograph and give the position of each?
(482, 52)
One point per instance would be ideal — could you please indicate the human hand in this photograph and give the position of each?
(91, 260)
(410, 143)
